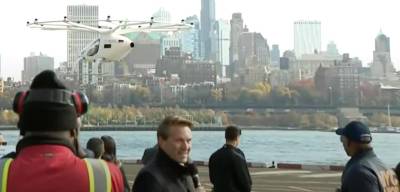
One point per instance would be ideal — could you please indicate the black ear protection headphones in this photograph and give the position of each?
(61, 96)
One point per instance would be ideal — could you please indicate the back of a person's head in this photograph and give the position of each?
(110, 148)
(96, 145)
(232, 133)
(163, 128)
(397, 170)
(39, 111)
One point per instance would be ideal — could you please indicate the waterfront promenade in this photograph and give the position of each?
(271, 180)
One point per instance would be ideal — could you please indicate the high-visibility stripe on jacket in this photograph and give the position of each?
(98, 171)
(99, 175)
(4, 166)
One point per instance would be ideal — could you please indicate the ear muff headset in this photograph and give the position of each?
(59, 96)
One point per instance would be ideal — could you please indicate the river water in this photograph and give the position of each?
(305, 147)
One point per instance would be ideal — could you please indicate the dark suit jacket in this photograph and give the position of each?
(163, 174)
(228, 170)
(149, 154)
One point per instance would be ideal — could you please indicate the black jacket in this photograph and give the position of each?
(397, 170)
(163, 174)
(228, 170)
(365, 172)
(126, 184)
(149, 154)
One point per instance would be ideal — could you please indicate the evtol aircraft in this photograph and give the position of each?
(111, 45)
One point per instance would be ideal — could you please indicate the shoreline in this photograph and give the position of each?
(196, 128)
(154, 128)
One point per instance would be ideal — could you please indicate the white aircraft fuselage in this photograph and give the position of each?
(108, 47)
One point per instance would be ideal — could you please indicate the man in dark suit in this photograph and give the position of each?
(168, 170)
(227, 166)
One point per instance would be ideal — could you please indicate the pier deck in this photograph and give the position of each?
(272, 180)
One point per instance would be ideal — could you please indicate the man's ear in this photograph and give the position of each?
(79, 122)
(74, 133)
(160, 141)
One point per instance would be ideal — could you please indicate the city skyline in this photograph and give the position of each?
(351, 25)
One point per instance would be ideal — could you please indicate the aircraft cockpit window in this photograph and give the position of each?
(107, 46)
(120, 41)
(94, 48)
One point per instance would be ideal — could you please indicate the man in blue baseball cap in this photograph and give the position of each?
(364, 171)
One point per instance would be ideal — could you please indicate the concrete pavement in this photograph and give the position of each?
(271, 180)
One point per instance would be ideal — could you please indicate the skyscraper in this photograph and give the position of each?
(191, 38)
(331, 49)
(207, 28)
(223, 41)
(382, 67)
(307, 37)
(77, 41)
(34, 64)
(170, 40)
(167, 40)
(253, 50)
(236, 31)
(275, 56)
(1, 85)
(162, 16)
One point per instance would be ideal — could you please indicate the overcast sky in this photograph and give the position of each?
(351, 24)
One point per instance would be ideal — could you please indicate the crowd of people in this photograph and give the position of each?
(48, 157)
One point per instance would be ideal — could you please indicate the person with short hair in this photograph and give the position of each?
(48, 158)
(397, 171)
(150, 153)
(110, 155)
(110, 149)
(228, 167)
(364, 171)
(96, 145)
(168, 172)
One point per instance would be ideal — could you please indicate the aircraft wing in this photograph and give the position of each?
(125, 22)
(64, 25)
(110, 26)
(157, 28)
(53, 28)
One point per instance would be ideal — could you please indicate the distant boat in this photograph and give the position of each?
(2, 140)
(389, 128)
